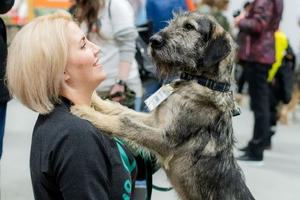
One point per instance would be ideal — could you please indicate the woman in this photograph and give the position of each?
(70, 158)
(111, 24)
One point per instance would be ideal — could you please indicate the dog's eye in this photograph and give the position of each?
(188, 27)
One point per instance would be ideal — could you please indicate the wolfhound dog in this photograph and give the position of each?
(189, 127)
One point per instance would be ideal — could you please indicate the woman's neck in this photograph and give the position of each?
(77, 97)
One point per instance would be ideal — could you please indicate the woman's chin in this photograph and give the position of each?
(102, 78)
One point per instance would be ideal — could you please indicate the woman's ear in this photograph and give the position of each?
(66, 76)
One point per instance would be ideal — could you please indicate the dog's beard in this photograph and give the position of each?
(166, 70)
(169, 64)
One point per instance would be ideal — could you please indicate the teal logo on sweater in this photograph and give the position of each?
(129, 167)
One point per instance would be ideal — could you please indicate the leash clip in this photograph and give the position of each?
(236, 112)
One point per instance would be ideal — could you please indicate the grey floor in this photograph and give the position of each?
(278, 179)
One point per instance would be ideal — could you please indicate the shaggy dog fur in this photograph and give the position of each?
(191, 131)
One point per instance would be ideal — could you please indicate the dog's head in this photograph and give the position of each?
(195, 43)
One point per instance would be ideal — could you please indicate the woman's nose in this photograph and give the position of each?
(96, 48)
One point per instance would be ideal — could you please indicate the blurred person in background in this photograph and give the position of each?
(5, 6)
(205, 6)
(241, 79)
(72, 8)
(280, 81)
(110, 23)
(218, 12)
(257, 51)
(139, 8)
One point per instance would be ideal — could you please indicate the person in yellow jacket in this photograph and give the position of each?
(280, 80)
(281, 44)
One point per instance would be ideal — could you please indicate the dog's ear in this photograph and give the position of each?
(217, 49)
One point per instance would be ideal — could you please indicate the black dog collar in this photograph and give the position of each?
(218, 86)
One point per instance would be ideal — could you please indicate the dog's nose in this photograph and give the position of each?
(156, 41)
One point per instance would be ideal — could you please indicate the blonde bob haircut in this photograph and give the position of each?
(37, 58)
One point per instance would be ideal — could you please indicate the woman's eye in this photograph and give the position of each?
(83, 46)
(188, 27)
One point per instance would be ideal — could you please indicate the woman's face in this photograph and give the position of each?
(83, 71)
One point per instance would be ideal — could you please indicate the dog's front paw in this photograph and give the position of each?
(98, 103)
(96, 99)
(103, 122)
(103, 106)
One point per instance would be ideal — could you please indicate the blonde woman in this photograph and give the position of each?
(51, 66)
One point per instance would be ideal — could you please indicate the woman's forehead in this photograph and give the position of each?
(74, 31)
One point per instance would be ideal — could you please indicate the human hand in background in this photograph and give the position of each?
(120, 89)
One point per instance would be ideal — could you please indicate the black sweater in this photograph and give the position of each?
(70, 159)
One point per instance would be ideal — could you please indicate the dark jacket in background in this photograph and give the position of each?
(256, 40)
(5, 6)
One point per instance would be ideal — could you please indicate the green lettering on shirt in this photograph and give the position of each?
(129, 167)
(125, 160)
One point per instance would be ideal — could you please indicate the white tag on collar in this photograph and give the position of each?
(159, 96)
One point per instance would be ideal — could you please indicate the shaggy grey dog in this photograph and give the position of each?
(190, 131)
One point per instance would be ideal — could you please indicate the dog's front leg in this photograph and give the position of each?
(114, 108)
(99, 120)
(107, 107)
(122, 126)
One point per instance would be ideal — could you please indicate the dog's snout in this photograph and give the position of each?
(156, 41)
